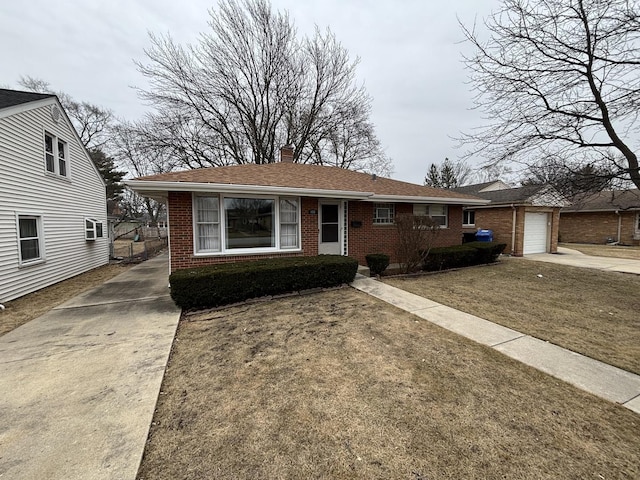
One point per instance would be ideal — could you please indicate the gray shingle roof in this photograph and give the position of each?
(609, 200)
(10, 98)
(512, 195)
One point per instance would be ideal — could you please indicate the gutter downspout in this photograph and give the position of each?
(513, 230)
(619, 225)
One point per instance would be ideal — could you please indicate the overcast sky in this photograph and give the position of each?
(409, 50)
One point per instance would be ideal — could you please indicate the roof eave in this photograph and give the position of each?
(148, 187)
(425, 199)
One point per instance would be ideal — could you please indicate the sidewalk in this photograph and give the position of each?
(80, 383)
(568, 256)
(591, 375)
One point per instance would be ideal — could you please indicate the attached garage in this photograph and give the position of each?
(536, 232)
(524, 218)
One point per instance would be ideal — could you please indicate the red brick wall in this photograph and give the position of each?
(597, 227)
(374, 238)
(500, 220)
(367, 239)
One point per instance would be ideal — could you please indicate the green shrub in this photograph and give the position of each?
(221, 284)
(467, 254)
(487, 252)
(443, 258)
(377, 262)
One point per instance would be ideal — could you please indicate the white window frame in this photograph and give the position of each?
(222, 226)
(57, 160)
(40, 237)
(384, 220)
(426, 209)
(93, 229)
(465, 213)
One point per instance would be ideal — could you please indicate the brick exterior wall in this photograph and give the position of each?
(597, 227)
(375, 238)
(500, 220)
(368, 238)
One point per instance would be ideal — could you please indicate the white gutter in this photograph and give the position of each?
(143, 186)
(160, 189)
(415, 199)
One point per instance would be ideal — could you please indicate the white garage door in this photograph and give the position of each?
(535, 232)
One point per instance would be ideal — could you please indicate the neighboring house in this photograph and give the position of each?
(605, 217)
(241, 212)
(52, 198)
(525, 218)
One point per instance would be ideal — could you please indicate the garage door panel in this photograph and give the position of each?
(535, 232)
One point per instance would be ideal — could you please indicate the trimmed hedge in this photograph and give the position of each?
(444, 258)
(467, 254)
(488, 252)
(377, 262)
(221, 284)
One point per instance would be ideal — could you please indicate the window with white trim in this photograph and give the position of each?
(236, 224)
(207, 224)
(55, 155)
(31, 238)
(92, 229)
(383, 213)
(289, 223)
(439, 213)
(469, 218)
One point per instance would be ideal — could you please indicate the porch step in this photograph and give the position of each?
(363, 270)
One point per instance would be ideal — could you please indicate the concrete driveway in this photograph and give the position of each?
(567, 256)
(80, 383)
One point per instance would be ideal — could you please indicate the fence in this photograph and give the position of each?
(129, 251)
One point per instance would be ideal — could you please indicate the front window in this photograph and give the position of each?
(249, 223)
(48, 153)
(638, 222)
(437, 212)
(383, 213)
(62, 158)
(469, 218)
(30, 234)
(230, 224)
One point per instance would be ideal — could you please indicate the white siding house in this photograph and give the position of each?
(52, 198)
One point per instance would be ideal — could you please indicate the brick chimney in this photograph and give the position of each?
(286, 154)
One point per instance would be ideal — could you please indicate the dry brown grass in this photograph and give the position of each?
(28, 307)
(588, 311)
(617, 251)
(339, 385)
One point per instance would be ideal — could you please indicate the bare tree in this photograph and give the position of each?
(91, 121)
(448, 174)
(131, 149)
(417, 234)
(250, 85)
(559, 79)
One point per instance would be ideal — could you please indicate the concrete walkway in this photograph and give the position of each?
(603, 380)
(574, 258)
(80, 383)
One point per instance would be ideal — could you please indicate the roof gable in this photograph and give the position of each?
(476, 188)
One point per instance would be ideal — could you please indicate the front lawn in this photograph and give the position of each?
(588, 311)
(339, 385)
(617, 251)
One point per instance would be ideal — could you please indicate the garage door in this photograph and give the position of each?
(535, 232)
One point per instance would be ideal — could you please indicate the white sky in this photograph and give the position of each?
(410, 58)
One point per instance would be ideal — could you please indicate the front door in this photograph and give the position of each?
(330, 229)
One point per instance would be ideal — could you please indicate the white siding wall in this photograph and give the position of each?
(25, 187)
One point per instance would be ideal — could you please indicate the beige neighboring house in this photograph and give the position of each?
(53, 205)
(611, 216)
(526, 218)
